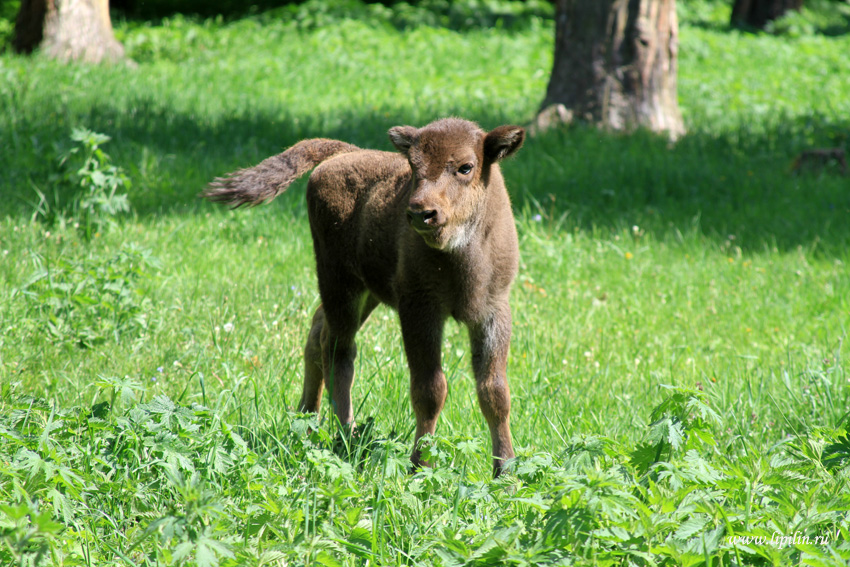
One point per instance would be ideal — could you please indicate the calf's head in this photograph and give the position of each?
(451, 161)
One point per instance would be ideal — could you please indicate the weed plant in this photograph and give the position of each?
(678, 364)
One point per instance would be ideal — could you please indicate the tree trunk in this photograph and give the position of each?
(29, 26)
(616, 63)
(756, 13)
(78, 30)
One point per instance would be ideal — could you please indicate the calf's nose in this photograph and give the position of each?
(422, 219)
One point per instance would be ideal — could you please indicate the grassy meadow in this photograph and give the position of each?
(679, 358)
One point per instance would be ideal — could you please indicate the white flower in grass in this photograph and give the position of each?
(228, 327)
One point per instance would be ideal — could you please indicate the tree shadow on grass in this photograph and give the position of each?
(311, 14)
(740, 185)
(837, 28)
(744, 186)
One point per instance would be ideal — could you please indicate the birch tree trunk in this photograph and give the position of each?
(616, 64)
(78, 30)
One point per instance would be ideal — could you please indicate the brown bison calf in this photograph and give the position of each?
(429, 232)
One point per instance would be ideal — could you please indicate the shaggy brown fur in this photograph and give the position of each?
(428, 231)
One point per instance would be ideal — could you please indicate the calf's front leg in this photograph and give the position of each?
(490, 342)
(422, 332)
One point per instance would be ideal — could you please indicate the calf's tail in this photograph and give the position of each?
(272, 176)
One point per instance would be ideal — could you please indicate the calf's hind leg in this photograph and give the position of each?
(311, 395)
(330, 352)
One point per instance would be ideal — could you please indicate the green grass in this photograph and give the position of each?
(678, 364)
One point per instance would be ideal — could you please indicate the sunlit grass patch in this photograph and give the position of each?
(678, 363)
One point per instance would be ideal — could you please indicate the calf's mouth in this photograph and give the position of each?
(423, 220)
(428, 224)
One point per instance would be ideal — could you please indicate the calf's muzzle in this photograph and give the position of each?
(424, 219)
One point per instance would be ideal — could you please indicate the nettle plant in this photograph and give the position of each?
(91, 300)
(100, 201)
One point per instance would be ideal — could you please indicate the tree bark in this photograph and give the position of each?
(78, 30)
(616, 64)
(756, 13)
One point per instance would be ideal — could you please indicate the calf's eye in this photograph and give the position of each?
(465, 168)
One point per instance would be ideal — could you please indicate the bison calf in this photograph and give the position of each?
(428, 231)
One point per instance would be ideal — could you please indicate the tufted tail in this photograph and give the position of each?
(271, 177)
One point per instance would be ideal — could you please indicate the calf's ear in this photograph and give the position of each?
(502, 142)
(403, 137)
